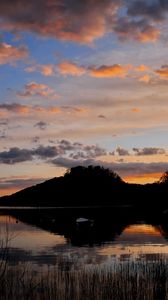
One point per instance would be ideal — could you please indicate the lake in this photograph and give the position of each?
(31, 242)
(44, 239)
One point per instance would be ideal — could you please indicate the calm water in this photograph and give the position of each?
(41, 239)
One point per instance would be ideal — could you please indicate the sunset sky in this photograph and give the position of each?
(82, 82)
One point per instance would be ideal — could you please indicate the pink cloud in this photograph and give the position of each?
(10, 54)
(37, 89)
(142, 68)
(146, 78)
(70, 68)
(46, 70)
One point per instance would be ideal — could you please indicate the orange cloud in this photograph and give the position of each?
(10, 54)
(163, 72)
(46, 70)
(135, 109)
(20, 109)
(149, 35)
(80, 109)
(70, 68)
(109, 71)
(38, 89)
(141, 30)
(146, 78)
(54, 110)
(142, 68)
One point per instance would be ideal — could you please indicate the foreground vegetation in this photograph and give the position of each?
(123, 280)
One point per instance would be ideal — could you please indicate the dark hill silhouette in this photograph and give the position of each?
(92, 186)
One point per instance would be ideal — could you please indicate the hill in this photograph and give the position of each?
(91, 186)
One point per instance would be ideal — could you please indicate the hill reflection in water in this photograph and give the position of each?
(43, 236)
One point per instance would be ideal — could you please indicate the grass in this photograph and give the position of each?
(136, 280)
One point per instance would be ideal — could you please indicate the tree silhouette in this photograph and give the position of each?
(164, 178)
(94, 172)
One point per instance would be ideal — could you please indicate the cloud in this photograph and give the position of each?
(70, 68)
(4, 122)
(149, 151)
(75, 20)
(101, 116)
(156, 10)
(54, 110)
(46, 70)
(12, 184)
(10, 54)
(122, 152)
(61, 148)
(36, 139)
(80, 109)
(34, 89)
(146, 78)
(123, 169)
(84, 21)
(141, 68)
(15, 108)
(18, 108)
(47, 151)
(136, 109)
(140, 30)
(162, 72)
(41, 125)
(15, 155)
(109, 71)
(104, 71)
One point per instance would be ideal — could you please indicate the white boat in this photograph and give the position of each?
(83, 222)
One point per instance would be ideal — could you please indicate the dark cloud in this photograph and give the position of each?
(47, 151)
(101, 116)
(15, 155)
(78, 150)
(122, 152)
(18, 183)
(41, 125)
(155, 9)
(4, 122)
(36, 139)
(148, 151)
(61, 148)
(15, 107)
(123, 169)
(83, 21)
(141, 30)
(3, 136)
(75, 20)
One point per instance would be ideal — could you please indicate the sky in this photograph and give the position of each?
(81, 83)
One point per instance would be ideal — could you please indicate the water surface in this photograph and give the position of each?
(41, 239)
